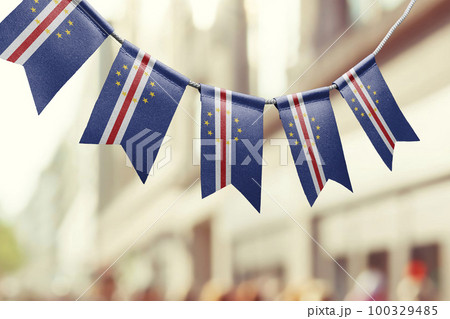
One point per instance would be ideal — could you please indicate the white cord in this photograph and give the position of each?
(394, 27)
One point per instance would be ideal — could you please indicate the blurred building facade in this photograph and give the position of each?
(90, 207)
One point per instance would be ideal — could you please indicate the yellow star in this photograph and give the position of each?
(239, 130)
(377, 101)
(228, 142)
(291, 124)
(59, 35)
(297, 142)
(356, 109)
(370, 115)
(228, 112)
(353, 100)
(68, 32)
(236, 139)
(146, 74)
(296, 117)
(217, 140)
(206, 123)
(291, 134)
(361, 86)
(37, 21)
(368, 87)
(47, 31)
(125, 67)
(145, 100)
(305, 115)
(375, 109)
(313, 119)
(124, 93)
(36, 1)
(362, 114)
(70, 23)
(313, 144)
(209, 114)
(152, 83)
(318, 128)
(218, 110)
(118, 83)
(135, 67)
(236, 120)
(66, 11)
(56, 1)
(118, 73)
(33, 9)
(152, 94)
(210, 133)
(134, 100)
(318, 137)
(375, 93)
(354, 91)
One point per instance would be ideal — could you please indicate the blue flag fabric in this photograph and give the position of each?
(310, 126)
(51, 39)
(369, 97)
(232, 141)
(136, 105)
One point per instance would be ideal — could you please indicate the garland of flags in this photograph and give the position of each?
(52, 39)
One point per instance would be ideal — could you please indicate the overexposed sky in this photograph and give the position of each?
(29, 141)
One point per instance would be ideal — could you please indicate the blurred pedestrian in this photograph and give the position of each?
(416, 284)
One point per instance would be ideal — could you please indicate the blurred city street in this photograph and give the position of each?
(77, 223)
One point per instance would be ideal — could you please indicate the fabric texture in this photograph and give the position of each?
(52, 40)
(369, 97)
(136, 106)
(232, 141)
(310, 126)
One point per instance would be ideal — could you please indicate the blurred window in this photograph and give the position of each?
(201, 251)
(429, 255)
(390, 4)
(340, 279)
(379, 261)
(332, 20)
(357, 7)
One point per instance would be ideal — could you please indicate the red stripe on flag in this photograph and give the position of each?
(126, 104)
(38, 31)
(223, 138)
(308, 141)
(372, 111)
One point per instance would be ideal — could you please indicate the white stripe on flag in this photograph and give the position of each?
(367, 111)
(28, 30)
(121, 99)
(137, 96)
(311, 135)
(374, 107)
(229, 137)
(304, 145)
(43, 36)
(217, 136)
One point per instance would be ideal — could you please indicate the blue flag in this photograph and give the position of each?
(232, 141)
(313, 135)
(51, 39)
(370, 99)
(136, 105)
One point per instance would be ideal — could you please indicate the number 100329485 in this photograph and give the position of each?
(403, 310)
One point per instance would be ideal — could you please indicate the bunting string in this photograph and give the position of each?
(52, 40)
(394, 27)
